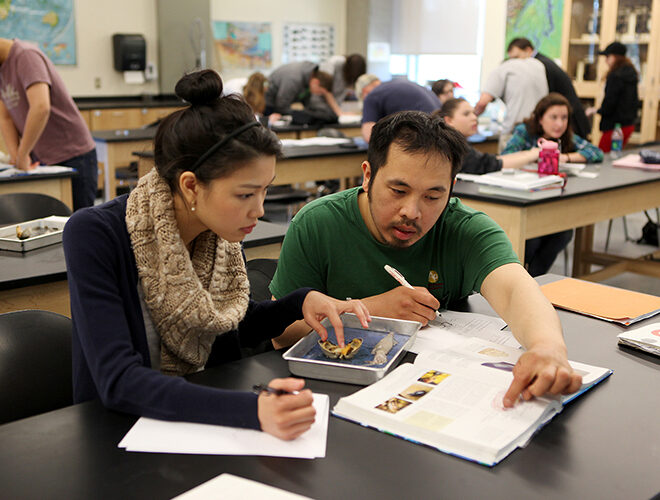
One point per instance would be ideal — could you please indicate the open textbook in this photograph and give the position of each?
(452, 400)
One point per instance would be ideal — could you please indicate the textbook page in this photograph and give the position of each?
(160, 436)
(452, 400)
(452, 327)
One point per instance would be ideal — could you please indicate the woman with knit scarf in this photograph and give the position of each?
(158, 282)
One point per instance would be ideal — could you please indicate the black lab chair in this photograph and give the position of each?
(35, 363)
(21, 207)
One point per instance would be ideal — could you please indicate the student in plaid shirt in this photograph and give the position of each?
(550, 119)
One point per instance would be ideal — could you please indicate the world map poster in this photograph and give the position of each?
(243, 44)
(48, 23)
(538, 20)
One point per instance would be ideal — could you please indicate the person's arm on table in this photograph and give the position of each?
(520, 141)
(585, 152)
(543, 368)
(519, 158)
(331, 101)
(9, 132)
(38, 96)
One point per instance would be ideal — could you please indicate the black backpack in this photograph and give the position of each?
(650, 232)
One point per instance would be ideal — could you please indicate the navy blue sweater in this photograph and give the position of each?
(110, 353)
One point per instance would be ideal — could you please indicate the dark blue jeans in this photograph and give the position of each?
(541, 252)
(85, 184)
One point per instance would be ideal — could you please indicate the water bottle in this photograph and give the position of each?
(548, 157)
(617, 142)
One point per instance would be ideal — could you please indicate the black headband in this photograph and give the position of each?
(222, 142)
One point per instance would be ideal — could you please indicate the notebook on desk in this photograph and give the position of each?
(601, 301)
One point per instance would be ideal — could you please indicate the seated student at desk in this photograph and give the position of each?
(550, 119)
(158, 283)
(384, 98)
(458, 113)
(403, 216)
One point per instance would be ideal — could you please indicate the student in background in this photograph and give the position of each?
(458, 113)
(301, 82)
(403, 215)
(520, 83)
(550, 119)
(345, 71)
(384, 98)
(254, 92)
(39, 120)
(158, 282)
(444, 89)
(620, 102)
(558, 81)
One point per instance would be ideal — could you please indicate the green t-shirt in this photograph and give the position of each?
(329, 247)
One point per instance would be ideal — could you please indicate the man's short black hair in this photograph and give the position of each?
(521, 43)
(416, 132)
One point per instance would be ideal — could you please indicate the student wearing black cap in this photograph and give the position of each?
(620, 102)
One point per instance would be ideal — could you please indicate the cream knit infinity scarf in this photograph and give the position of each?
(190, 299)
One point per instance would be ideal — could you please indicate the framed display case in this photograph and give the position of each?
(588, 27)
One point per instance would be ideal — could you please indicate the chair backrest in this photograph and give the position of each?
(260, 273)
(19, 207)
(35, 363)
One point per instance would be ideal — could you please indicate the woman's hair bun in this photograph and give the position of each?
(200, 87)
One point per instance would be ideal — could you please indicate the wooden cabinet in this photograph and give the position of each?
(591, 25)
(125, 118)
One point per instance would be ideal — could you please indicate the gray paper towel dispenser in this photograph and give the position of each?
(129, 51)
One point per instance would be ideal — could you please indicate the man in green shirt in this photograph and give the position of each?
(403, 216)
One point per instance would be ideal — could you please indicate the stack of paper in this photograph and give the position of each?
(517, 183)
(646, 338)
(230, 487)
(453, 327)
(315, 141)
(159, 436)
(10, 170)
(601, 301)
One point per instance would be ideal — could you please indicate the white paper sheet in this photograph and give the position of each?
(230, 487)
(10, 171)
(160, 436)
(453, 327)
(315, 141)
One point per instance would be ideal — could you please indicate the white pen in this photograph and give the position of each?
(402, 281)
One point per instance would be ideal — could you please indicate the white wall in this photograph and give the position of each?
(279, 12)
(494, 37)
(96, 22)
